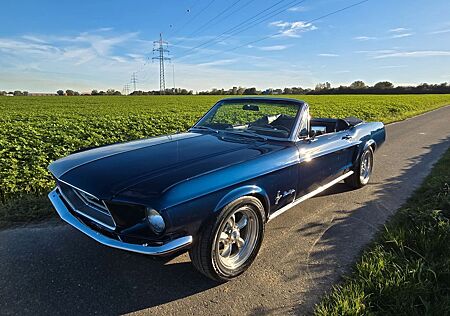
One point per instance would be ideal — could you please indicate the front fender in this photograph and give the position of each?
(243, 191)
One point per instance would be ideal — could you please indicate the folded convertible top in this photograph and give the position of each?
(353, 121)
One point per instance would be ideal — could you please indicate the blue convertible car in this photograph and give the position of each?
(212, 189)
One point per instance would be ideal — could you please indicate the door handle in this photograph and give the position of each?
(347, 137)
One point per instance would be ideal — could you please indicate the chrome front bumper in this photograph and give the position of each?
(165, 249)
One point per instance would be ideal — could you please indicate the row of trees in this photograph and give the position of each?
(175, 91)
(382, 87)
(93, 92)
(357, 87)
(15, 93)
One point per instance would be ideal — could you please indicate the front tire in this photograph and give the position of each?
(227, 247)
(362, 171)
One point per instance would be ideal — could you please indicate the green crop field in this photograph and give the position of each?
(37, 130)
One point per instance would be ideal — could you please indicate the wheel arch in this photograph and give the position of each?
(361, 148)
(370, 143)
(247, 190)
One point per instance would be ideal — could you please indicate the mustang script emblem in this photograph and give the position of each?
(285, 193)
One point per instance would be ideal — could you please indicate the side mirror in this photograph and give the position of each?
(312, 134)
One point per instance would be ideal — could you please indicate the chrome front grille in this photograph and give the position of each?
(87, 205)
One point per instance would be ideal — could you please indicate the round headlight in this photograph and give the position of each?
(155, 220)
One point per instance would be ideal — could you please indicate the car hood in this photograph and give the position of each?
(161, 161)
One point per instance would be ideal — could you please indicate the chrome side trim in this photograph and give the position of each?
(65, 215)
(309, 195)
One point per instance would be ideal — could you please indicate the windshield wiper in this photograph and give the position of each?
(206, 128)
(247, 133)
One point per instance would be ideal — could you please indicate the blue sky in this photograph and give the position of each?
(50, 45)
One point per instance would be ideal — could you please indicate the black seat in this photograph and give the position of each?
(342, 125)
(284, 120)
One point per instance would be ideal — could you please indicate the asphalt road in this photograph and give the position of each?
(53, 269)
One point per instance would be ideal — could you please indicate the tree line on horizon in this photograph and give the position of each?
(357, 87)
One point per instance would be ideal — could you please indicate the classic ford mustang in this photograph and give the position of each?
(212, 189)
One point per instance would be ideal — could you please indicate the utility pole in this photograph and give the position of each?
(173, 77)
(126, 89)
(134, 80)
(161, 50)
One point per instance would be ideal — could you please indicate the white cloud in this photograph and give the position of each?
(398, 30)
(12, 46)
(391, 66)
(200, 38)
(423, 53)
(328, 55)
(402, 35)
(104, 29)
(364, 38)
(120, 59)
(298, 9)
(34, 39)
(273, 48)
(292, 29)
(375, 52)
(103, 44)
(218, 62)
(441, 31)
(280, 24)
(79, 56)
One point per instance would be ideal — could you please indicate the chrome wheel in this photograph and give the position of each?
(366, 167)
(237, 237)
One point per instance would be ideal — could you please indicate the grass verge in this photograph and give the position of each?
(28, 208)
(406, 271)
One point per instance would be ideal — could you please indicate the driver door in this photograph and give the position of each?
(321, 159)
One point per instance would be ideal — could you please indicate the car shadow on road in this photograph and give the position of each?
(333, 252)
(60, 271)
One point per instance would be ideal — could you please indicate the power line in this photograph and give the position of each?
(194, 17)
(203, 26)
(237, 9)
(307, 22)
(279, 33)
(161, 58)
(249, 23)
(188, 10)
(218, 15)
(266, 17)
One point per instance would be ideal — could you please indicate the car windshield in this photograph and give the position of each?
(251, 117)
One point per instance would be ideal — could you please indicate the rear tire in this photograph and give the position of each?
(228, 246)
(362, 171)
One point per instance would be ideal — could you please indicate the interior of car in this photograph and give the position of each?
(280, 125)
(329, 125)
